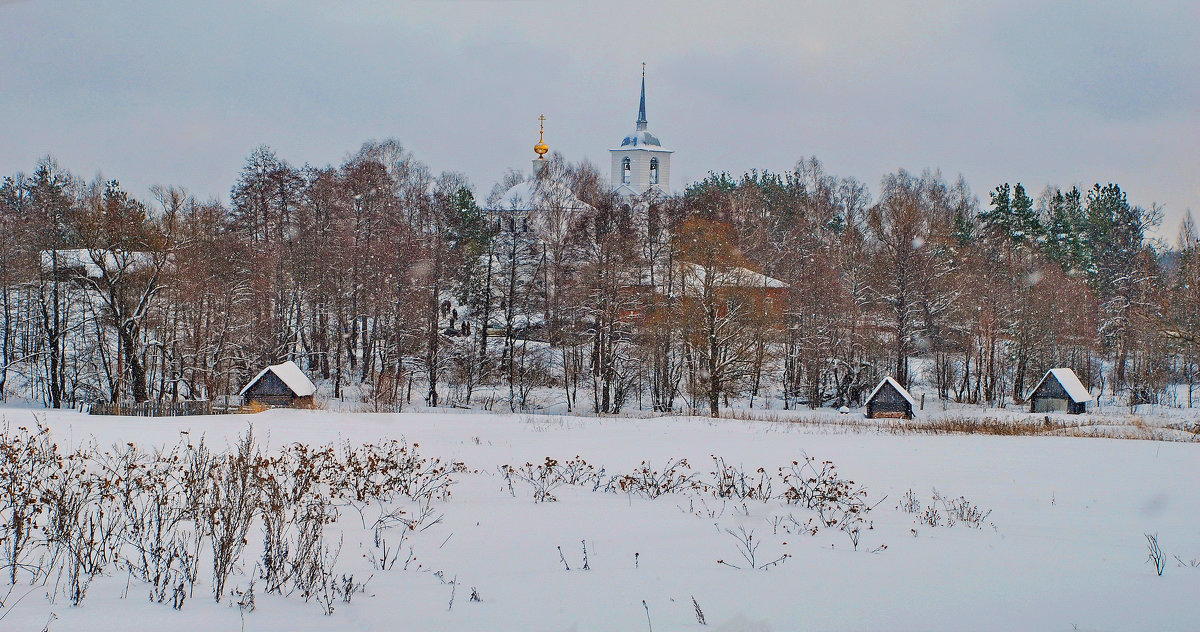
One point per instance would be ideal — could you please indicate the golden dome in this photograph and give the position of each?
(541, 148)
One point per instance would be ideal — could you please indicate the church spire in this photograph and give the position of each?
(641, 122)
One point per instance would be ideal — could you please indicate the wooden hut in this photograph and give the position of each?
(280, 385)
(1059, 391)
(889, 400)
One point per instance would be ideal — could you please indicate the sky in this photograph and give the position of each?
(1043, 93)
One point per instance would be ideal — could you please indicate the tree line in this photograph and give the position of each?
(392, 284)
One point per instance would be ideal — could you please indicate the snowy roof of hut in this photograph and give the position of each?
(896, 385)
(290, 375)
(1070, 383)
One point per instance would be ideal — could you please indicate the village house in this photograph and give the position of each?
(890, 400)
(1059, 391)
(280, 385)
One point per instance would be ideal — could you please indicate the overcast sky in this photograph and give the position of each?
(157, 92)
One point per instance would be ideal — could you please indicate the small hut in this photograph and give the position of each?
(1060, 391)
(889, 400)
(280, 385)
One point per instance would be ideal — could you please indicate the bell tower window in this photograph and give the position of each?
(626, 171)
(654, 171)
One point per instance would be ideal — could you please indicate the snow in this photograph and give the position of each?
(651, 148)
(899, 389)
(1063, 548)
(641, 140)
(1070, 383)
(540, 194)
(90, 261)
(290, 375)
(734, 276)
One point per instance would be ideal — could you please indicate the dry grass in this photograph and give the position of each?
(314, 404)
(1092, 425)
(253, 408)
(1081, 426)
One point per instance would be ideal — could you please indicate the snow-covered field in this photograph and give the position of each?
(1063, 547)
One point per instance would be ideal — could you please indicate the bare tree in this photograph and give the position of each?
(908, 263)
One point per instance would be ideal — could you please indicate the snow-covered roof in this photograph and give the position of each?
(641, 139)
(90, 261)
(290, 375)
(540, 194)
(732, 277)
(1070, 383)
(624, 149)
(899, 389)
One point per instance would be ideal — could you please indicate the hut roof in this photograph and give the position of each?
(290, 375)
(896, 385)
(1070, 383)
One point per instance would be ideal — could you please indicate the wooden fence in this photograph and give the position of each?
(160, 409)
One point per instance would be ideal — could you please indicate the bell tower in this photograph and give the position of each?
(641, 163)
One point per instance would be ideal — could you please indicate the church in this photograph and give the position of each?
(641, 166)
(535, 219)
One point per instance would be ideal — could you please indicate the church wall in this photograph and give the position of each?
(640, 169)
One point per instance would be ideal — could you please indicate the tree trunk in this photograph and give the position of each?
(431, 349)
(137, 369)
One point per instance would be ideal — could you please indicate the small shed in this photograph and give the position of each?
(283, 385)
(889, 400)
(1059, 391)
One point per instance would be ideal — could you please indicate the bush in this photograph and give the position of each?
(85, 513)
(835, 499)
(733, 482)
(650, 483)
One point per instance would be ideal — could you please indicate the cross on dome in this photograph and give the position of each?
(541, 147)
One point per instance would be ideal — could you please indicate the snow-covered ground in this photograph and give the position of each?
(1063, 548)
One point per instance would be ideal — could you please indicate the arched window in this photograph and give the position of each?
(654, 171)
(626, 171)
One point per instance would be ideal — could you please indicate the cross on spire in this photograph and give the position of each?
(641, 122)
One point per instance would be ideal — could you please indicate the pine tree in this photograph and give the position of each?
(1065, 238)
(996, 219)
(1012, 216)
(1024, 226)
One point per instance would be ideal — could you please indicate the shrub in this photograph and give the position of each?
(733, 482)
(81, 514)
(544, 478)
(835, 499)
(650, 483)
